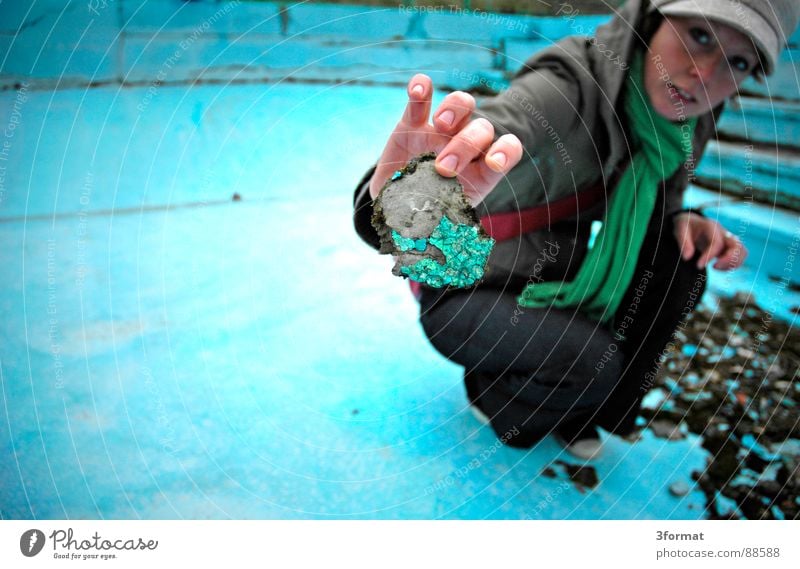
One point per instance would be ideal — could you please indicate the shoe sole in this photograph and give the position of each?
(479, 415)
(585, 450)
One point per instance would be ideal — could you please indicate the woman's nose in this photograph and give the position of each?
(705, 66)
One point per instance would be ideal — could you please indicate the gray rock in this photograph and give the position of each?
(413, 205)
(679, 488)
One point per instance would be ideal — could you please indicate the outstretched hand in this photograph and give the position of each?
(697, 233)
(463, 145)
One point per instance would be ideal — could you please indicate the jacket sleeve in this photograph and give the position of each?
(537, 102)
(674, 190)
(676, 186)
(362, 211)
(542, 108)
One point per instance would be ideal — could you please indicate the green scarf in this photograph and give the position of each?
(660, 148)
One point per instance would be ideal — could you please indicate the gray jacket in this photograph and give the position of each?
(563, 105)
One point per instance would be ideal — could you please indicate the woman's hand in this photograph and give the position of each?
(464, 146)
(697, 233)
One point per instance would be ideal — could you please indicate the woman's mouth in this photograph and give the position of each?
(685, 97)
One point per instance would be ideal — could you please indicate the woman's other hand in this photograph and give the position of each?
(463, 146)
(697, 233)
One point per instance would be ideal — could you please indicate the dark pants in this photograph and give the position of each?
(532, 370)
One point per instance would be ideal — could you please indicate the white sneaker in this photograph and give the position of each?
(585, 449)
(479, 415)
(586, 446)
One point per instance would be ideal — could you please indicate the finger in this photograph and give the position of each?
(482, 176)
(715, 246)
(732, 256)
(684, 238)
(503, 155)
(454, 113)
(467, 144)
(420, 90)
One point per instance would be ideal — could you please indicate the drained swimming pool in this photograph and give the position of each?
(192, 329)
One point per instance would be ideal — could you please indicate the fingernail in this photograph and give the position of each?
(499, 158)
(418, 90)
(447, 117)
(449, 163)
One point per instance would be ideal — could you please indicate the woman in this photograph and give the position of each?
(563, 336)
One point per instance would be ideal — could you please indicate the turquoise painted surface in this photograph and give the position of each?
(187, 374)
(465, 255)
(164, 365)
(768, 174)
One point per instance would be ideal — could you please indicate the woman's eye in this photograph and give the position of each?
(740, 64)
(700, 35)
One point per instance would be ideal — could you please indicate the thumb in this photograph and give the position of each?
(687, 248)
(685, 241)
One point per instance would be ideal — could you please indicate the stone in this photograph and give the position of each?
(679, 488)
(666, 430)
(426, 222)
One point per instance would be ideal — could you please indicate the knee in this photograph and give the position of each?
(600, 368)
(442, 330)
(447, 323)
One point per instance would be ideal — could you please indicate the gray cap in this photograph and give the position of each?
(768, 22)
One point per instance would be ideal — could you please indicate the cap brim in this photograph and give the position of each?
(743, 19)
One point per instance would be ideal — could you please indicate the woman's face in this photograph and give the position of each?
(694, 64)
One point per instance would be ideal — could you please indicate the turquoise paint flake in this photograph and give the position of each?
(594, 232)
(465, 252)
(405, 243)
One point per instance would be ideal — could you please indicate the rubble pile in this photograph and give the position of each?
(733, 378)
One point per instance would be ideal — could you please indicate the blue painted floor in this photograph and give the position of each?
(236, 359)
(167, 352)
